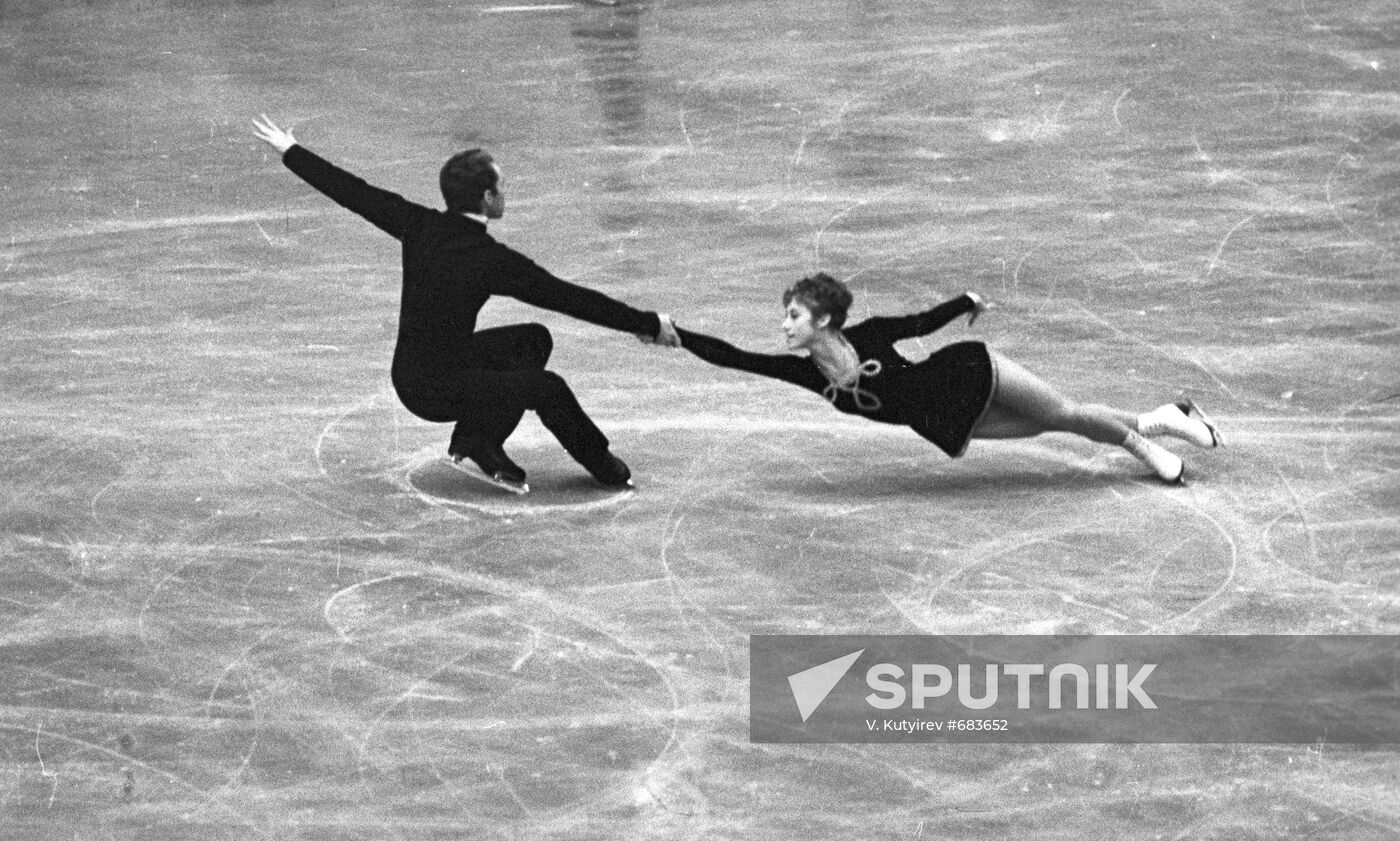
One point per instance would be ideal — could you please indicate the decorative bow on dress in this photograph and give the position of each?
(865, 400)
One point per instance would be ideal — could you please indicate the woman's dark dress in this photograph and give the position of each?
(942, 398)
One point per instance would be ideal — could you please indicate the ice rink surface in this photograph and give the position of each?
(241, 598)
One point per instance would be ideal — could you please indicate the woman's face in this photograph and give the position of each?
(799, 326)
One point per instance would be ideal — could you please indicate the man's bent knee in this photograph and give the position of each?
(552, 385)
(540, 341)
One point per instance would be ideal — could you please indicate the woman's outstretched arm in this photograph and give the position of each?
(786, 367)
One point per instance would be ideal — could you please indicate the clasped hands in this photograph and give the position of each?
(666, 336)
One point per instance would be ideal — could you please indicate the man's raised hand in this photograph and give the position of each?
(268, 132)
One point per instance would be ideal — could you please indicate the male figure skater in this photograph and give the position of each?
(444, 369)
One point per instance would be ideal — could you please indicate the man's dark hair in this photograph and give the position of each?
(823, 295)
(465, 178)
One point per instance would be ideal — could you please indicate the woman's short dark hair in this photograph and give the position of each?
(823, 295)
(464, 180)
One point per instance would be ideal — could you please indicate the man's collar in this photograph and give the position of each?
(476, 217)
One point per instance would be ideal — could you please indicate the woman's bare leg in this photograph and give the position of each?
(1024, 405)
(1000, 422)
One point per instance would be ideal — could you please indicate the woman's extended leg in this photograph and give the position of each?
(1024, 405)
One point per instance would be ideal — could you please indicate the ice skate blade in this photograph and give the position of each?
(467, 468)
(1189, 408)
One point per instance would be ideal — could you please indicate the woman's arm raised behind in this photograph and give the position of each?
(895, 328)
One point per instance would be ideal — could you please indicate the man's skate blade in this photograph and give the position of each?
(466, 468)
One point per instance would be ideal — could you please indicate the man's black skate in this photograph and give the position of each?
(496, 467)
(610, 470)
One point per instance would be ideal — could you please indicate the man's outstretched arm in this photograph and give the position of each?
(387, 211)
(519, 277)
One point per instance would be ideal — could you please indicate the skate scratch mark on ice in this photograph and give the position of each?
(510, 789)
(1123, 334)
(1047, 124)
(1337, 213)
(835, 217)
(1342, 36)
(907, 255)
(332, 509)
(332, 604)
(92, 505)
(45, 772)
(237, 776)
(1338, 427)
(336, 421)
(626, 585)
(863, 756)
(302, 541)
(210, 700)
(562, 607)
(1312, 21)
(151, 769)
(120, 227)
(155, 591)
(1219, 249)
(1118, 102)
(54, 681)
(1300, 510)
(841, 119)
(979, 558)
(1141, 264)
(1157, 570)
(544, 7)
(924, 617)
(414, 690)
(1209, 373)
(786, 450)
(673, 715)
(1357, 813)
(1306, 524)
(252, 707)
(694, 475)
(1192, 504)
(1016, 273)
(796, 160)
(682, 603)
(530, 652)
(1068, 599)
(264, 232)
(685, 131)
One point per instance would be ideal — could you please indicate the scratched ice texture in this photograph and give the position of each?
(241, 597)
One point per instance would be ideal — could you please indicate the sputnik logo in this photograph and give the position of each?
(811, 686)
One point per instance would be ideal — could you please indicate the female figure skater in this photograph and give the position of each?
(963, 391)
